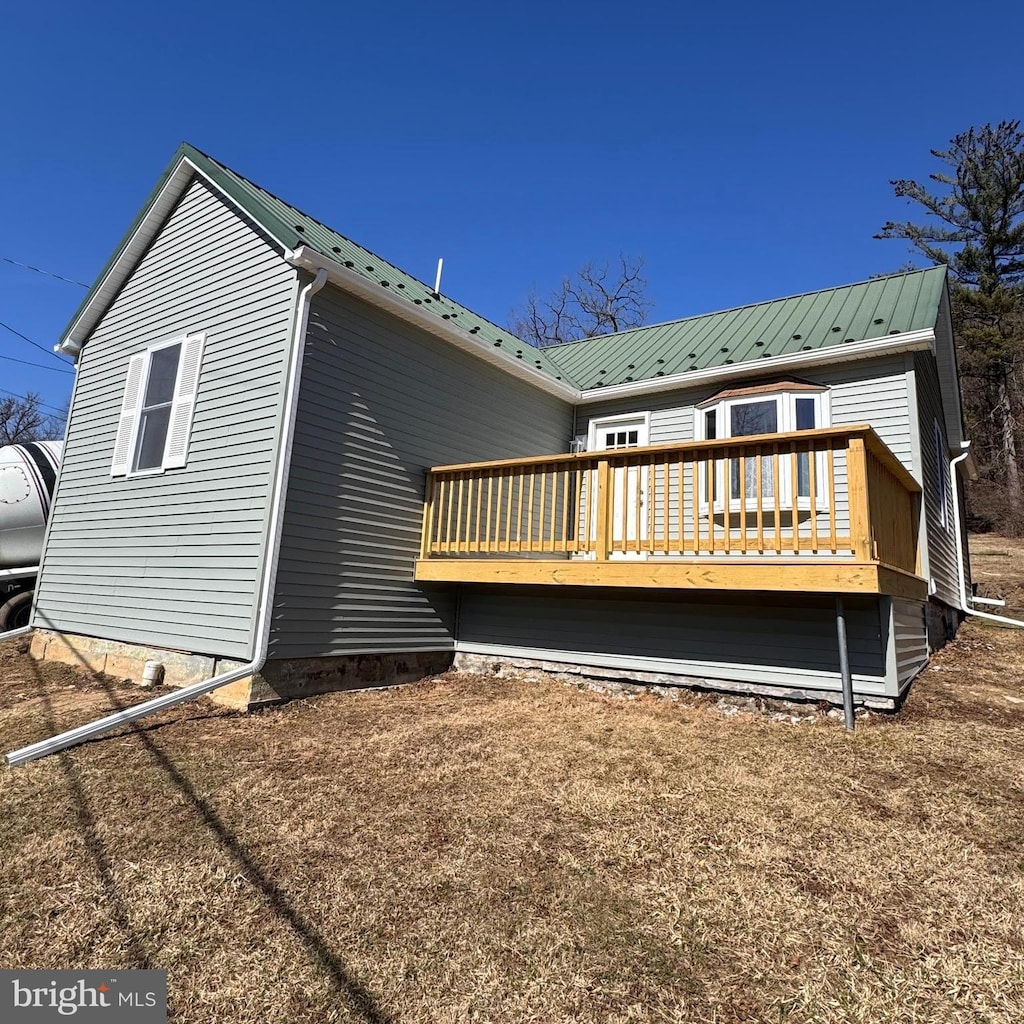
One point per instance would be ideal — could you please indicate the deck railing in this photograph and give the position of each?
(837, 492)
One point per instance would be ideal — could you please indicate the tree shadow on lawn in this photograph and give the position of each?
(353, 992)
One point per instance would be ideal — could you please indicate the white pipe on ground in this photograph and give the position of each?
(965, 598)
(262, 625)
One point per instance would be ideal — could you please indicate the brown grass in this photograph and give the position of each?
(475, 849)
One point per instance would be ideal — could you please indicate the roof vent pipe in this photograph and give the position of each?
(437, 280)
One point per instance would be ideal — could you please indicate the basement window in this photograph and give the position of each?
(157, 406)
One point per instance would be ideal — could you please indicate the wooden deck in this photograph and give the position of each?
(824, 511)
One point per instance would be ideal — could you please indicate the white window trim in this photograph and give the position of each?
(785, 404)
(180, 339)
(611, 422)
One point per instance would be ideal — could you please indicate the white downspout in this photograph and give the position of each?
(965, 598)
(263, 618)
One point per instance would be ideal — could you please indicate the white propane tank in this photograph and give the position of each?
(28, 473)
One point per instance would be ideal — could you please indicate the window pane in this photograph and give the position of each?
(633, 436)
(609, 440)
(163, 370)
(754, 418)
(803, 474)
(805, 414)
(153, 438)
(750, 483)
(711, 424)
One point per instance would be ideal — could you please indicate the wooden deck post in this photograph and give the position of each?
(857, 484)
(602, 540)
(428, 517)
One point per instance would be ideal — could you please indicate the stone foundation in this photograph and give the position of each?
(278, 681)
(302, 677)
(624, 682)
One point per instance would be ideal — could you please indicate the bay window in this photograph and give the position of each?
(777, 407)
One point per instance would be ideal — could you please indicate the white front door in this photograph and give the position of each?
(630, 483)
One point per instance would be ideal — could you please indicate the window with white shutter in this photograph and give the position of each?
(157, 407)
(176, 452)
(129, 414)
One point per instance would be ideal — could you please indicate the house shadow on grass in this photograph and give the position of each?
(114, 902)
(355, 995)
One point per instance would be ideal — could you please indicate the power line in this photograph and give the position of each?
(35, 344)
(45, 273)
(25, 398)
(41, 366)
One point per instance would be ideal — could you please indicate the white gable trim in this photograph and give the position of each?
(135, 248)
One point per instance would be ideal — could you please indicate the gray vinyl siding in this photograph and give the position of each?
(381, 401)
(911, 639)
(873, 391)
(174, 560)
(786, 643)
(940, 541)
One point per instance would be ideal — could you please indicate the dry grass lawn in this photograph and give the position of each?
(474, 849)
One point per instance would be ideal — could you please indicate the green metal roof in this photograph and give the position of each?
(815, 320)
(293, 228)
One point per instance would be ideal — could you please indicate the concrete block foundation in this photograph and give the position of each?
(279, 680)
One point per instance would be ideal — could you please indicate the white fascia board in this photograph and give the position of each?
(73, 340)
(128, 258)
(890, 344)
(349, 281)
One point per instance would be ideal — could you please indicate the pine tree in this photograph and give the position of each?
(976, 228)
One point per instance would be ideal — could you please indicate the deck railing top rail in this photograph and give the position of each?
(872, 442)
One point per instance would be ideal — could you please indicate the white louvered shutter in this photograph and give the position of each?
(129, 414)
(176, 453)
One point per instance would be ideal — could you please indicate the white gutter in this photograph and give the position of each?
(313, 261)
(907, 341)
(384, 298)
(891, 344)
(263, 619)
(965, 598)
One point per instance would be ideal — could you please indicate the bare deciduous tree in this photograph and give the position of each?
(25, 419)
(597, 299)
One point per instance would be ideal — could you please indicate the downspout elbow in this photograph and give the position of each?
(965, 598)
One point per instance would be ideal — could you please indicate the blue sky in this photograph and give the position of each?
(744, 150)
